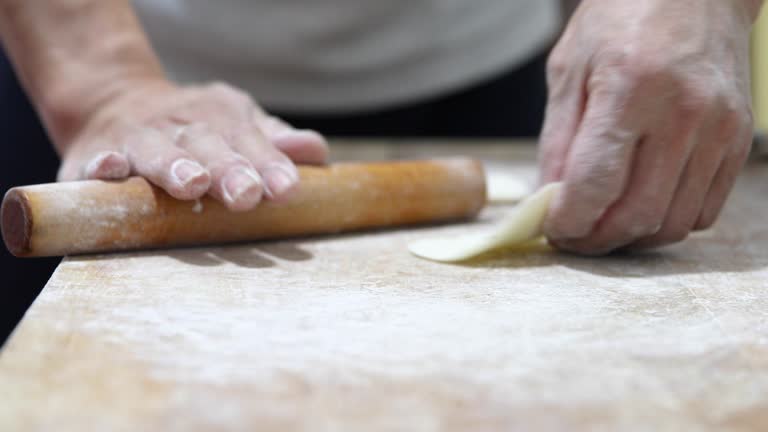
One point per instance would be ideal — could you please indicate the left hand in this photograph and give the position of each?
(648, 121)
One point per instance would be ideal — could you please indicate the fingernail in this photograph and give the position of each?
(184, 171)
(107, 165)
(280, 179)
(242, 185)
(573, 232)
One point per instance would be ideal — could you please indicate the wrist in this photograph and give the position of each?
(72, 56)
(68, 98)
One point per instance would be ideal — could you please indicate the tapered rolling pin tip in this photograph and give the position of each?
(16, 223)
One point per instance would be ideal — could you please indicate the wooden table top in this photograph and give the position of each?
(352, 333)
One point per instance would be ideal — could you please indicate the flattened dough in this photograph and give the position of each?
(519, 227)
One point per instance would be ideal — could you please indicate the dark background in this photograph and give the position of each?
(26, 157)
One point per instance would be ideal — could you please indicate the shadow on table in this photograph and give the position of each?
(249, 256)
(694, 256)
(262, 255)
(697, 255)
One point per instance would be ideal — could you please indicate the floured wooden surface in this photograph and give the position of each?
(353, 333)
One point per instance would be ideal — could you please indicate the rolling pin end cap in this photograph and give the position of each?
(16, 223)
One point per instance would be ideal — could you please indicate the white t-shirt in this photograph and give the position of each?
(346, 55)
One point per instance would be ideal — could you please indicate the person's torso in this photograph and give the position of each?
(325, 55)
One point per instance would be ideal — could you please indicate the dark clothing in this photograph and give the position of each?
(511, 105)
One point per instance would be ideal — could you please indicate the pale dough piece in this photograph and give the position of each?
(519, 227)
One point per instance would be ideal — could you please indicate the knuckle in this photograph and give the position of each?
(636, 66)
(610, 80)
(734, 115)
(598, 183)
(737, 118)
(697, 101)
(230, 93)
(640, 219)
(647, 68)
(701, 96)
(693, 108)
(620, 138)
(557, 64)
(599, 188)
(614, 56)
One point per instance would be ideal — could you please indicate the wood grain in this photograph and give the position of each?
(351, 333)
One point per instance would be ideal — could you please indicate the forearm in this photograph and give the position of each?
(71, 55)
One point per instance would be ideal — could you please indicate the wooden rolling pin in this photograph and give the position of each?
(97, 216)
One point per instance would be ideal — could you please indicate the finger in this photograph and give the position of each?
(302, 146)
(685, 207)
(234, 181)
(724, 180)
(642, 209)
(279, 173)
(565, 106)
(107, 165)
(655, 176)
(93, 164)
(696, 180)
(597, 168)
(154, 156)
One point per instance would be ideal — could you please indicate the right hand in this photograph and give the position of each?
(191, 141)
(648, 123)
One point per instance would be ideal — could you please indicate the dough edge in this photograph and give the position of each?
(522, 226)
